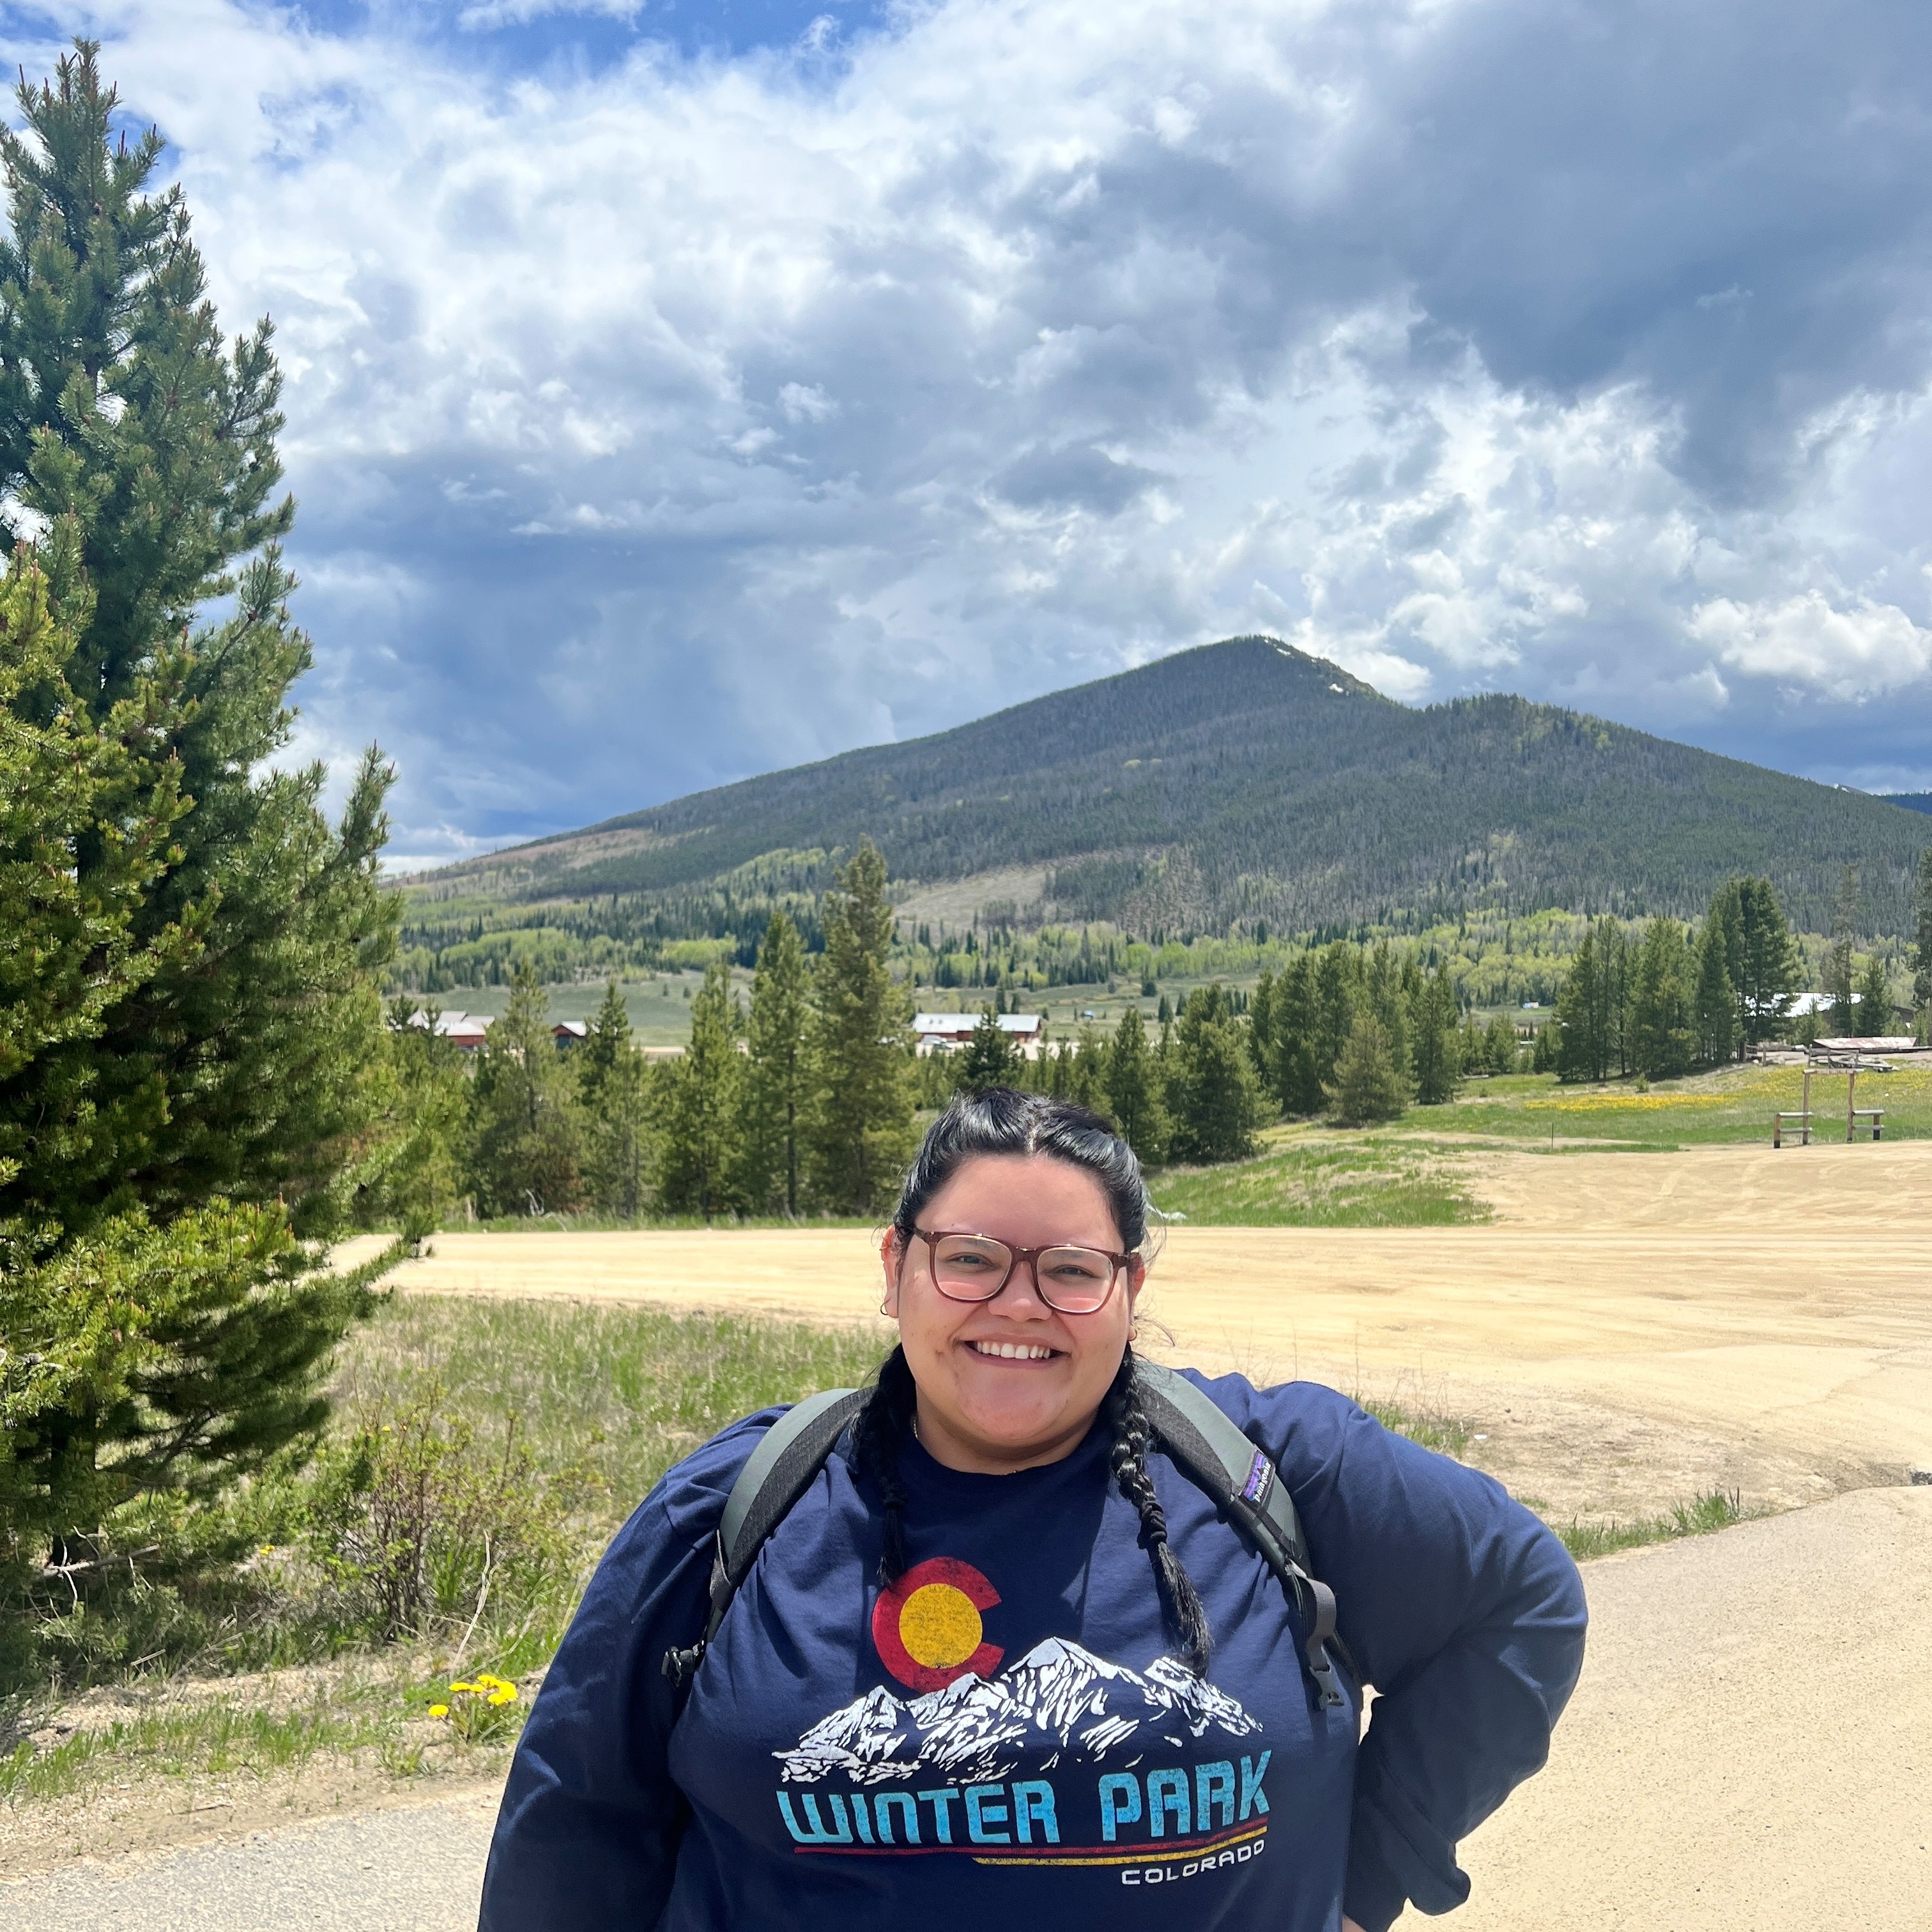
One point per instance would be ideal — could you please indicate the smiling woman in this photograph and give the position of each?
(968, 1676)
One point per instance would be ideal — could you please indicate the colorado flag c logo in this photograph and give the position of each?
(927, 1625)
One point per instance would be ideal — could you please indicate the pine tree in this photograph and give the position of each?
(1385, 992)
(1724, 929)
(1134, 1090)
(1771, 969)
(606, 1041)
(1339, 992)
(699, 1164)
(777, 1086)
(1838, 987)
(1296, 1082)
(990, 1060)
(1214, 1097)
(1499, 1045)
(614, 1089)
(1439, 1062)
(412, 1177)
(1715, 1013)
(173, 1117)
(1874, 997)
(1663, 1033)
(1616, 977)
(1366, 1088)
(1261, 1031)
(1543, 1052)
(525, 1143)
(147, 450)
(1087, 1078)
(859, 1135)
(1580, 1048)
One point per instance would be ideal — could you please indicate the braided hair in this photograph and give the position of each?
(1002, 1121)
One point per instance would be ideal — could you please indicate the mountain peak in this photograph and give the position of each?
(1242, 782)
(1058, 1698)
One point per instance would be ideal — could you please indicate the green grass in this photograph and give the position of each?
(602, 1401)
(206, 1743)
(1716, 1509)
(1704, 1110)
(626, 1391)
(1448, 1435)
(1359, 1181)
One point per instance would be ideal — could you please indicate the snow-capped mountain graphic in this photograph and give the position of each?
(1057, 1699)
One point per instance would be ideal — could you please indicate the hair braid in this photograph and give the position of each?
(881, 1428)
(1181, 1603)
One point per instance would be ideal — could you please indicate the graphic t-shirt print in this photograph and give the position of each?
(1062, 1758)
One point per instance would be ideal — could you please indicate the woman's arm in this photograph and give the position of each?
(1462, 1609)
(589, 1830)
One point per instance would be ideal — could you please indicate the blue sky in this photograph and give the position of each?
(677, 391)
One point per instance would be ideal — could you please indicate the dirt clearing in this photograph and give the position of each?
(1632, 1329)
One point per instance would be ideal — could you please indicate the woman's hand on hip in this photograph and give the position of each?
(1348, 1924)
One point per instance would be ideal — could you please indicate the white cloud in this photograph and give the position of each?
(1859, 653)
(696, 417)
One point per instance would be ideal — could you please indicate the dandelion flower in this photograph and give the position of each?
(439, 1710)
(504, 1693)
(266, 1550)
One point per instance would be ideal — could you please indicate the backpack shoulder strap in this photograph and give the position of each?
(1210, 1450)
(776, 1474)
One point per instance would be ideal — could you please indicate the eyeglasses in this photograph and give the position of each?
(975, 1268)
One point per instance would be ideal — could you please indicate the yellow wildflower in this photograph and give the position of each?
(504, 1693)
(439, 1710)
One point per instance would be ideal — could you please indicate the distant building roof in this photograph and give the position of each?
(466, 1029)
(1890, 1042)
(959, 1026)
(571, 1030)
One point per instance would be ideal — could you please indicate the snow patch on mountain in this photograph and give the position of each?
(1058, 1699)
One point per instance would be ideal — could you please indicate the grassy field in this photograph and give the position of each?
(1703, 1110)
(529, 1431)
(1306, 1180)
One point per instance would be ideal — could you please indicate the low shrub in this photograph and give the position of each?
(417, 1523)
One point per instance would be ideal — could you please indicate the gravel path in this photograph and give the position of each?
(414, 1869)
(1750, 1750)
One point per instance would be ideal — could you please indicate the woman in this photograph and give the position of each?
(1003, 1664)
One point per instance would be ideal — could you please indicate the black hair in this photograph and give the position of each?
(1002, 1121)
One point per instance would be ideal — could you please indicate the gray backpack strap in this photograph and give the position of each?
(1207, 1448)
(777, 1473)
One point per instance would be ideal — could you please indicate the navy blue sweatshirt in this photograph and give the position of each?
(1003, 1738)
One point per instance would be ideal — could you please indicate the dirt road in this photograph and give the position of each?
(1748, 1751)
(1750, 1748)
(1632, 1329)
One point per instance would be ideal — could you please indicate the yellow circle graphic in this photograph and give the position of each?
(939, 1626)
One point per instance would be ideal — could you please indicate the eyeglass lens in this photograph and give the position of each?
(973, 1268)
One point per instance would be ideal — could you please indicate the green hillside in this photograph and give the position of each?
(1240, 782)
